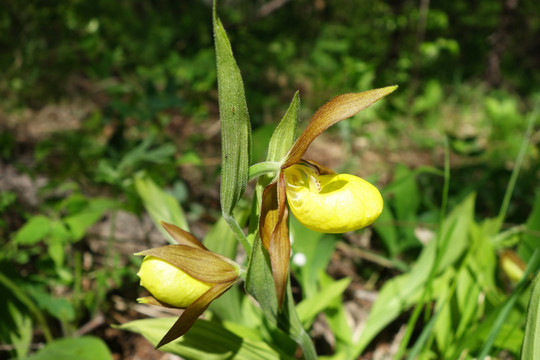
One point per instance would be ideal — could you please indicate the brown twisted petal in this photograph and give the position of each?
(183, 237)
(339, 108)
(192, 313)
(275, 234)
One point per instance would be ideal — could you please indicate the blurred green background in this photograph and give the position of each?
(97, 93)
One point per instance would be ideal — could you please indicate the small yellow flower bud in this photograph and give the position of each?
(333, 203)
(512, 266)
(169, 284)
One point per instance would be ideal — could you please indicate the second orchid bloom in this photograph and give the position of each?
(187, 276)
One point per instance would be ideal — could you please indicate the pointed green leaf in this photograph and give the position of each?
(260, 284)
(283, 136)
(235, 125)
(259, 281)
(531, 345)
(531, 240)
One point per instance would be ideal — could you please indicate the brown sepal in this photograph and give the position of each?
(201, 264)
(339, 108)
(275, 234)
(183, 237)
(192, 313)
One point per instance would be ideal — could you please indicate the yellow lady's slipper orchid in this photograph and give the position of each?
(186, 275)
(169, 284)
(332, 203)
(320, 199)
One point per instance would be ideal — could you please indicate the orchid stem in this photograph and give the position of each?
(239, 233)
(263, 168)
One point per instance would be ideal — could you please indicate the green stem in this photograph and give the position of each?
(239, 233)
(25, 299)
(263, 168)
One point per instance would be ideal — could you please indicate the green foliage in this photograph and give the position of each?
(86, 347)
(530, 349)
(149, 71)
(194, 345)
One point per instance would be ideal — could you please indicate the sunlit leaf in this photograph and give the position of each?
(33, 231)
(531, 345)
(235, 125)
(310, 307)
(401, 292)
(194, 344)
(81, 348)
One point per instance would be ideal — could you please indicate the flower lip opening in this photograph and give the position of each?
(302, 175)
(331, 203)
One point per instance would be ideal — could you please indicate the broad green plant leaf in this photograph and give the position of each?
(59, 307)
(235, 125)
(82, 348)
(160, 206)
(93, 211)
(531, 344)
(194, 344)
(35, 229)
(260, 284)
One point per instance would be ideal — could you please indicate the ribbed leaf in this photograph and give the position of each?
(235, 126)
(531, 343)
